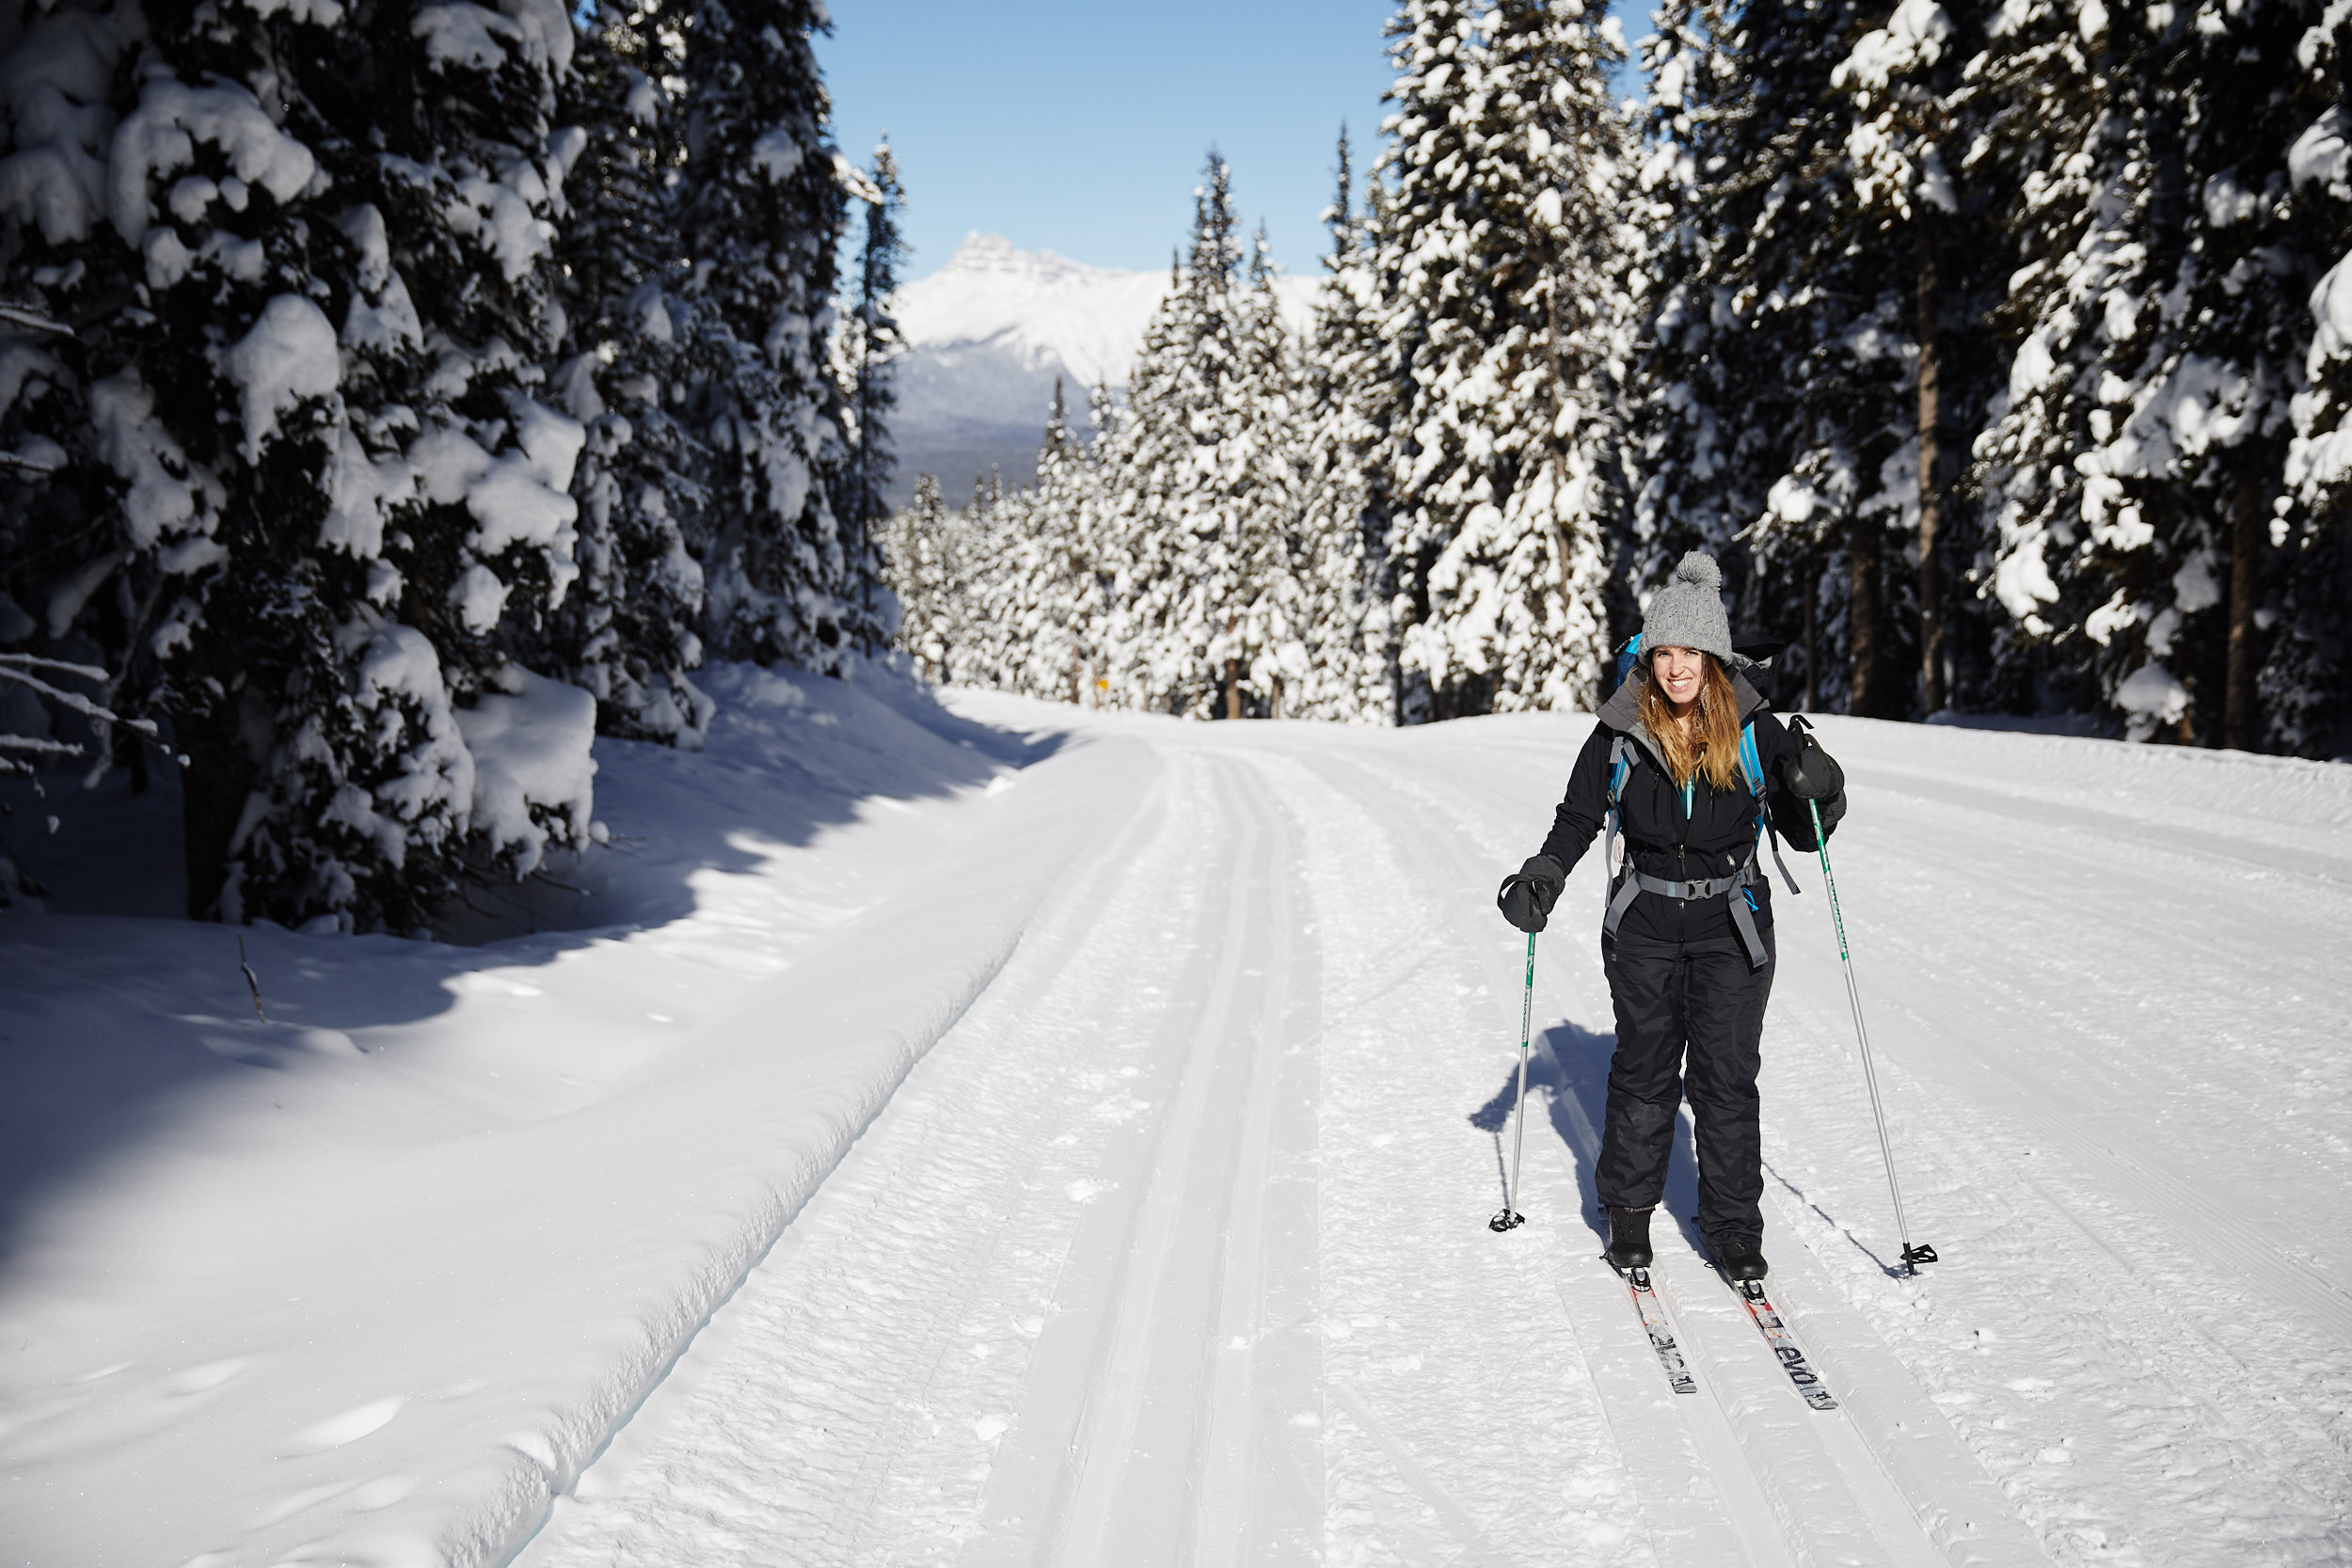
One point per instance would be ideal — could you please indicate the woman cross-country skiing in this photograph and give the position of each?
(1686, 942)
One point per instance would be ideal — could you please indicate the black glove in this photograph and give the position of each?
(1528, 893)
(1809, 781)
(1812, 774)
(1833, 812)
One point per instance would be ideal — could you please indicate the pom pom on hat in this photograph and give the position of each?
(1698, 569)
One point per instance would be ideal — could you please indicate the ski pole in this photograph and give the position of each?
(1913, 1256)
(1511, 1215)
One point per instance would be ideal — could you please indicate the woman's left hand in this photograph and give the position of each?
(1812, 774)
(1526, 895)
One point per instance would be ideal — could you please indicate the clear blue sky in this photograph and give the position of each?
(1081, 128)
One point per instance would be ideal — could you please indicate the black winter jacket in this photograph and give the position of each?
(1711, 842)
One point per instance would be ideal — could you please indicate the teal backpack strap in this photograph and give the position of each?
(1620, 764)
(1753, 765)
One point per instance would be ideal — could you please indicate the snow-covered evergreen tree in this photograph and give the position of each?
(1436, 314)
(629, 629)
(1504, 264)
(916, 546)
(1049, 606)
(77, 575)
(1267, 645)
(1524, 583)
(764, 206)
(2306, 681)
(2141, 444)
(1191, 484)
(1777, 404)
(334, 507)
(1343, 609)
(870, 346)
(1914, 115)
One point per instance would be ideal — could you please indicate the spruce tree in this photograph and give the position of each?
(1525, 581)
(1267, 646)
(333, 508)
(2307, 680)
(1438, 315)
(1348, 656)
(1916, 113)
(916, 546)
(1185, 478)
(1705, 463)
(871, 344)
(630, 626)
(1504, 264)
(1054, 610)
(2139, 450)
(763, 209)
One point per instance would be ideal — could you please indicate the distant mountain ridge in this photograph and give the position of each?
(987, 335)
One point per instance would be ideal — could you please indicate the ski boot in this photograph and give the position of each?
(1628, 1239)
(1740, 1260)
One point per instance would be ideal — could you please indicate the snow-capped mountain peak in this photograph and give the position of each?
(1045, 312)
(988, 333)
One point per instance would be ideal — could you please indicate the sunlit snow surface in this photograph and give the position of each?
(1169, 1062)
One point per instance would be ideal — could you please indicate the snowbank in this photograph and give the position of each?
(533, 776)
(369, 1279)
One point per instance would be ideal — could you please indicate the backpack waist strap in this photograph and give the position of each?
(1632, 884)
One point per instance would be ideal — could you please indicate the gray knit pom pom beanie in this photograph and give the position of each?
(1687, 612)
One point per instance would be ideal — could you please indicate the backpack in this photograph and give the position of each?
(1626, 885)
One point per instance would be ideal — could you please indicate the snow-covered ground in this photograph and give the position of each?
(1123, 1100)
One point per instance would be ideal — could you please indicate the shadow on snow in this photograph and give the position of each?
(117, 1020)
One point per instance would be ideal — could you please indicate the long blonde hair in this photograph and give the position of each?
(1715, 728)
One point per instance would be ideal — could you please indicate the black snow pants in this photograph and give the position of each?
(1699, 999)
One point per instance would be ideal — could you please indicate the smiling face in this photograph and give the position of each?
(1678, 672)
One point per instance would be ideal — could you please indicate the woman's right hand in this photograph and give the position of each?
(1527, 895)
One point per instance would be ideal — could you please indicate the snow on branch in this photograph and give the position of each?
(28, 669)
(31, 320)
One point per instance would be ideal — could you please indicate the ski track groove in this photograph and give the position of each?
(1242, 972)
(769, 1376)
(1138, 1483)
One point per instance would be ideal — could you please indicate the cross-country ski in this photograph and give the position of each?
(1784, 1344)
(1660, 1329)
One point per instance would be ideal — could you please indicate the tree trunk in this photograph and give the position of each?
(2241, 721)
(1232, 688)
(1933, 481)
(1863, 612)
(214, 783)
(1809, 701)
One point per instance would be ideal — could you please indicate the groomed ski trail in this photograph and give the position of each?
(1174, 1251)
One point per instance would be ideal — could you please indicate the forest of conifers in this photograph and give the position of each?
(366, 365)
(1998, 348)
